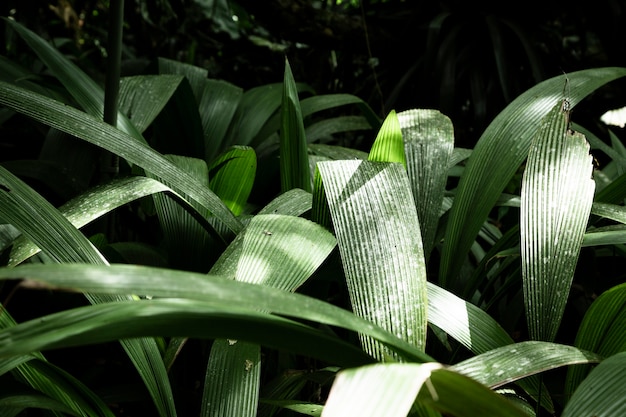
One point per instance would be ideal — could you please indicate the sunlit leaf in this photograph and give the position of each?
(378, 234)
(556, 196)
(498, 154)
(428, 144)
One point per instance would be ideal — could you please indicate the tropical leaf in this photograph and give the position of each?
(388, 145)
(99, 201)
(506, 364)
(391, 389)
(372, 208)
(277, 251)
(48, 229)
(232, 177)
(94, 131)
(87, 93)
(603, 392)
(143, 97)
(601, 331)
(557, 192)
(428, 144)
(227, 293)
(294, 158)
(498, 154)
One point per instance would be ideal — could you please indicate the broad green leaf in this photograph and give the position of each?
(294, 158)
(143, 97)
(179, 119)
(97, 202)
(255, 108)
(175, 317)
(609, 211)
(194, 74)
(601, 331)
(33, 370)
(388, 146)
(325, 129)
(232, 176)
(294, 202)
(498, 154)
(277, 251)
(186, 241)
(610, 236)
(64, 388)
(334, 152)
(318, 103)
(603, 392)
(25, 401)
(507, 364)
(94, 131)
(378, 234)
(377, 390)
(42, 223)
(556, 196)
(217, 107)
(227, 293)
(476, 330)
(458, 395)
(14, 73)
(282, 251)
(87, 93)
(231, 385)
(391, 389)
(55, 235)
(428, 144)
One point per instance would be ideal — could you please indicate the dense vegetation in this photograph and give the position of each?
(176, 243)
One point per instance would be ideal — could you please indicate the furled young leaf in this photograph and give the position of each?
(498, 154)
(391, 389)
(556, 196)
(227, 293)
(86, 127)
(232, 177)
(601, 331)
(378, 234)
(603, 392)
(294, 157)
(388, 146)
(428, 144)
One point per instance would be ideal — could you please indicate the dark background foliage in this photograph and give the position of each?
(467, 59)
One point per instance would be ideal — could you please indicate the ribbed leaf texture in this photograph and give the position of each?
(556, 196)
(377, 229)
(428, 144)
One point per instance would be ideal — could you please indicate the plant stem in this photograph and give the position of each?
(110, 162)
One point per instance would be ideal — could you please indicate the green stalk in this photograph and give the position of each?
(110, 162)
